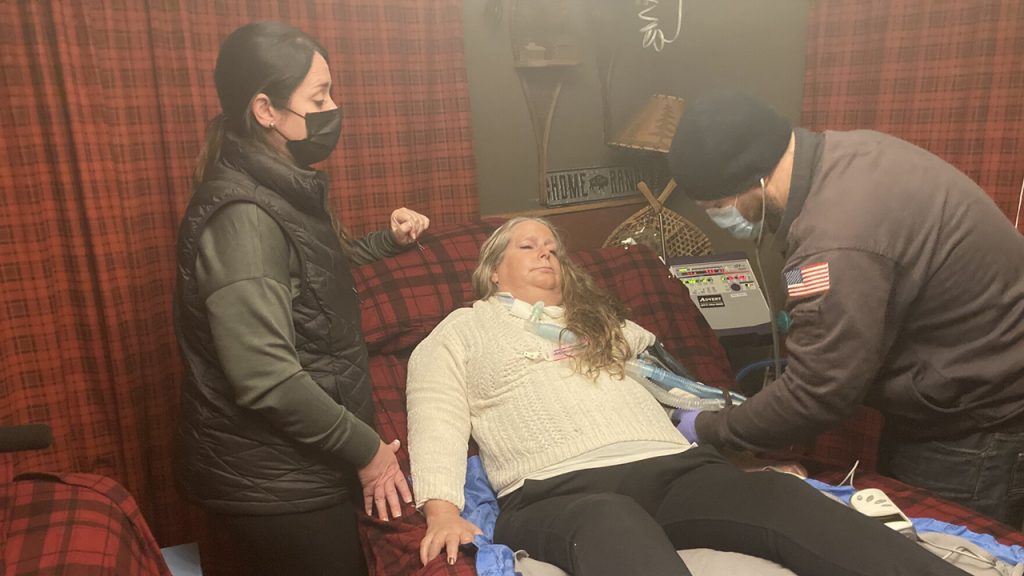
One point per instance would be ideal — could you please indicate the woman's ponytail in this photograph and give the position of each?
(210, 152)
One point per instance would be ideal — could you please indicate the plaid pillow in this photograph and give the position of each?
(404, 297)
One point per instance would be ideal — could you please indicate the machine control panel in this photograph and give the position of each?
(724, 288)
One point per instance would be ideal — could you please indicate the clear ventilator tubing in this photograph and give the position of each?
(667, 380)
(677, 398)
(668, 388)
(547, 331)
(552, 332)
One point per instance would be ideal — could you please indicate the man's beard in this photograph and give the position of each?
(772, 215)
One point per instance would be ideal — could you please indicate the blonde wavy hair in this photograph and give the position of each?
(591, 313)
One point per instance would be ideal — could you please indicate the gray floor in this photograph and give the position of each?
(183, 560)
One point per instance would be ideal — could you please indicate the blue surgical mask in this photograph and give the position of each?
(730, 220)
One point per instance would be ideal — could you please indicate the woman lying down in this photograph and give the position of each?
(591, 475)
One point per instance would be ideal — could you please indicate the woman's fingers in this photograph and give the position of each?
(434, 547)
(403, 487)
(408, 224)
(446, 539)
(380, 500)
(426, 554)
(392, 495)
(419, 223)
(451, 544)
(368, 503)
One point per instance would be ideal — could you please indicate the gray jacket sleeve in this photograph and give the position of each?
(245, 273)
(373, 247)
(835, 349)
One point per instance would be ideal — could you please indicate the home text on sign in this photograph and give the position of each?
(592, 184)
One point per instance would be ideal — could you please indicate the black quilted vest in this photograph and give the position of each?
(232, 460)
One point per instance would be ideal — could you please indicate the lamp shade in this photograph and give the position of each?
(653, 127)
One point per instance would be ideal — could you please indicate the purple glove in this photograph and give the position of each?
(687, 423)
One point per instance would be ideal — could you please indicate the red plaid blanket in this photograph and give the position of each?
(74, 524)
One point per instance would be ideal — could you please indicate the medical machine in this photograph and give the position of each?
(724, 288)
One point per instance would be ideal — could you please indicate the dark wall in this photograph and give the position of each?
(756, 45)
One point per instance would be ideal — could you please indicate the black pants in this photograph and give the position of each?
(322, 542)
(630, 519)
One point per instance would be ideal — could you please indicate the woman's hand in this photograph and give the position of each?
(383, 483)
(407, 225)
(445, 529)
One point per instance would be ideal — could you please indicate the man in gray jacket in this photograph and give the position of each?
(904, 285)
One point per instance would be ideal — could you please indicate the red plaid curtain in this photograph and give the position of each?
(947, 75)
(105, 107)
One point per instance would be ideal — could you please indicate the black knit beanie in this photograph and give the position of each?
(725, 143)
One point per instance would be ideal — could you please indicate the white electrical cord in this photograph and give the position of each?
(848, 479)
(773, 321)
(1020, 199)
(961, 550)
(654, 36)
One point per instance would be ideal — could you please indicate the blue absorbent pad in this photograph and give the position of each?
(1012, 555)
(481, 508)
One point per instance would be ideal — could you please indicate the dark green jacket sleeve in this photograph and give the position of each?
(373, 247)
(248, 274)
(835, 348)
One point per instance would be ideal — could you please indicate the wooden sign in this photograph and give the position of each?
(565, 187)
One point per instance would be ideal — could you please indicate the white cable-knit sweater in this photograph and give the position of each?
(482, 373)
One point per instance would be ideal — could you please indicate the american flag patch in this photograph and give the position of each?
(807, 280)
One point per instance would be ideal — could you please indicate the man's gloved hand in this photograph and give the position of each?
(687, 423)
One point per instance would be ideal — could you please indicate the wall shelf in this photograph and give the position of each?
(545, 47)
(598, 205)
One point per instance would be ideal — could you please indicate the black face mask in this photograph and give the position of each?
(322, 132)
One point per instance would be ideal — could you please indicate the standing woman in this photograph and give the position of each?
(276, 417)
